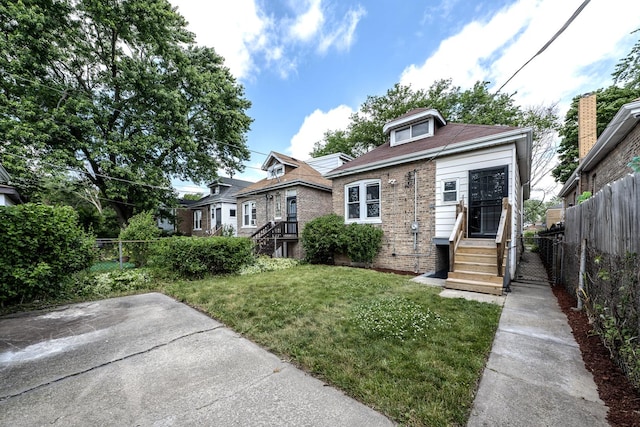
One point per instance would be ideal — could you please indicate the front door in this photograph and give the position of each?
(487, 187)
(292, 214)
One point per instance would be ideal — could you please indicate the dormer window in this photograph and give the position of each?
(276, 171)
(216, 190)
(412, 132)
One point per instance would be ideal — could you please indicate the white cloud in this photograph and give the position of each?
(343, 35)
(236, 30)
(249, 39)
(314, 127)
(494, 49)
(309, 23)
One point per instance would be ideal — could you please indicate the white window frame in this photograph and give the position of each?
(276, 171)
(197, 219)
(456, 191)
(412, 136)
(216, 189)
(249, 206)
(362, 202)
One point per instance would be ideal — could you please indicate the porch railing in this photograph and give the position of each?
(458, 233)
(503, 236)
(268, 234)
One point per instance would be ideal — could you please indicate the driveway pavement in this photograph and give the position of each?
(149, 360)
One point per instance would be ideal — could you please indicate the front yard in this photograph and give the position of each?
(393, 344)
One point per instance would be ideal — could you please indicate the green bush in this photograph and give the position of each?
(529, 237)
(42, 246)
(195, 257)
(363, 242)
(142, 227)
(327, 235)
(323, 237)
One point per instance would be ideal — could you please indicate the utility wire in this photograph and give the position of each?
(547, 44)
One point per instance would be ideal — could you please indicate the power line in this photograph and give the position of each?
(551, 40)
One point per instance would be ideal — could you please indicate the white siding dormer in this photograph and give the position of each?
(276, 170)
(412, 132)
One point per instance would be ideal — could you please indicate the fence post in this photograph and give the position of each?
(120, 253)
(583, 268)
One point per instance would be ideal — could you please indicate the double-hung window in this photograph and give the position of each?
(249, 214)
(197, 220)
(362, 201)
(450, 191)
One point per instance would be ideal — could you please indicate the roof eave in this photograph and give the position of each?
(460, 147)
(283, 185)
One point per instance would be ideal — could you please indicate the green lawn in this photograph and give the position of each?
(393, 344)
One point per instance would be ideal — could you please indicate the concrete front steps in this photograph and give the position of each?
(475, 268)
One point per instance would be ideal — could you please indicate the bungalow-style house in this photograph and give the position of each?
(448, 196)
(605, 159)
(213, 213)
(8, 194)
(274, 210)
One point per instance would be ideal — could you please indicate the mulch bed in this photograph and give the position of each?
(614, 388)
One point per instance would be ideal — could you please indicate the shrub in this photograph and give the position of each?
(529, 237)
(42, 246)
(363, 242)
(323, 237)
(195, 257)
(142, 227)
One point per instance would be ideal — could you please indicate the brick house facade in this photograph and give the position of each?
(293, 194)
(419, 176)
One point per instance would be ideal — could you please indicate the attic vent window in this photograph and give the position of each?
(276, 171)
(411, 132)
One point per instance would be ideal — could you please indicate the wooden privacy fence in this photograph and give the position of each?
(610, 220)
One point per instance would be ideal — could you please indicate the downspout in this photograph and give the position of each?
(415, 219)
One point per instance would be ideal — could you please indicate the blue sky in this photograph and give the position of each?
(306, 65)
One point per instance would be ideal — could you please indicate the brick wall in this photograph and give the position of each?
(311, 202)
(397, 213)
(614, 165)
(184, 221)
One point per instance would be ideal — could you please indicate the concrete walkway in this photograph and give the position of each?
(148, 360)
(535, 375)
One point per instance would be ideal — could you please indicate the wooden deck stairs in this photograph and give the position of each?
(475, 267)
(478, 265)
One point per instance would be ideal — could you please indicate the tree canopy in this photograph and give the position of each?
(476, 105)
(626, 88)
(118, 94)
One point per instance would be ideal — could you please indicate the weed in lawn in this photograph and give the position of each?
(391, 343)
(396, 318)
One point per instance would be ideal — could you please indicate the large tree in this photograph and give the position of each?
(118, 93)
(475, 105)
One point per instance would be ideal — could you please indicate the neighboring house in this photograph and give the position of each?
(438, 190)
(608, 159)
(215, 212)
(554, 215)
(8, 194)
(274, 210)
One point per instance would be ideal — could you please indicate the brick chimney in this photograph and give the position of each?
(587, 129)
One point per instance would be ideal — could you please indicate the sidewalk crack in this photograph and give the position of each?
(120, 359)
